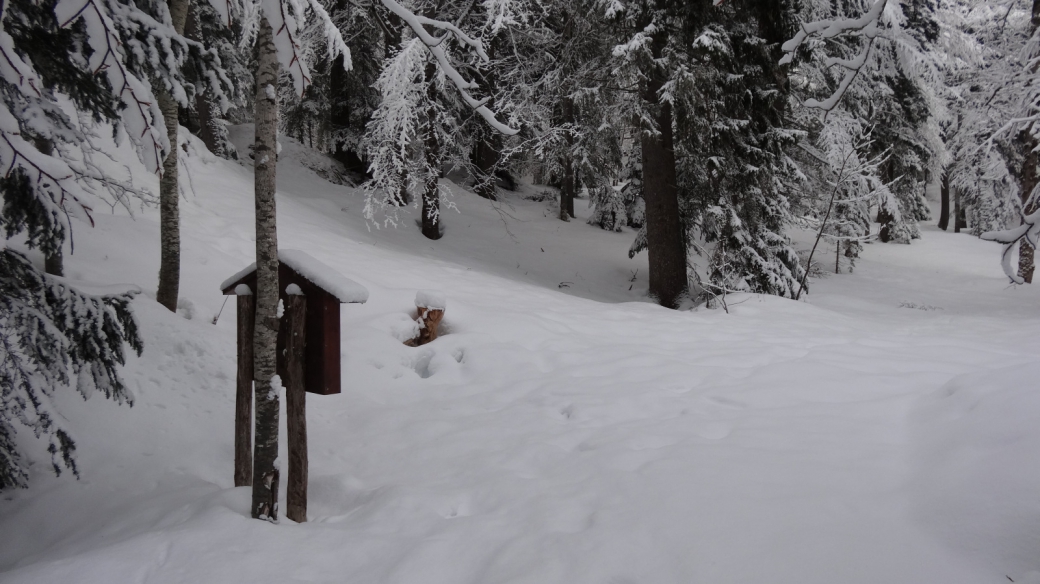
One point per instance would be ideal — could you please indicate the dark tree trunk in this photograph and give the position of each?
(486, 150)
(885, 219)
(664, 236)
(339, 116)
(944, 196)
(244, 393)
(485, 159)
(169, 214)
(960, 219)
(296, 410)
(431, 198)
(568, 187)
(265, 339)
(1026, 184)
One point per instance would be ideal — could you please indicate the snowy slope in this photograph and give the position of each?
(883, 431)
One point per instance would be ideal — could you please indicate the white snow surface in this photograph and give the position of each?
(340, 286)
(555, 434)
(432, 299)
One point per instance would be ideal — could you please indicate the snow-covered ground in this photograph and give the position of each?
(564, 430)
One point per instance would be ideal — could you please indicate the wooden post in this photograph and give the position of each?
(430, 319)
(296, 410)
(244, 393)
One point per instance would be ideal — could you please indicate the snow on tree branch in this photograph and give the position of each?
(141, 117)
(1026, 233)
(47, 331)
(867, 27)
(286, 25)
(57, 194)
(418, 25)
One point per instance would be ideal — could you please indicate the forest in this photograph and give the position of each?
(740, 290)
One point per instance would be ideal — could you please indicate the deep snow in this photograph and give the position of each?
(563, 429)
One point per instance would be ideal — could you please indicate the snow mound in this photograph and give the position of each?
(432, 299)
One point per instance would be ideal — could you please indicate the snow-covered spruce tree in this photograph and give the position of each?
(580, 139)
(997, 182)
(207, 120)
(888, 81)
(732, 112)
(98, 54)
(620, 203)
(1021, 90)
(652, 39)
(50, 335)
(412, 129)
(713, 126)
(331, 114)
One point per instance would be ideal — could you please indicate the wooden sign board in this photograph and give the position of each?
(325, 290)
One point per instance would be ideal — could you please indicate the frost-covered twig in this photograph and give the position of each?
(418, 25)
(866, 25)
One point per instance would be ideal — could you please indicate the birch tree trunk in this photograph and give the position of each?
(169, 214)
(265, 339)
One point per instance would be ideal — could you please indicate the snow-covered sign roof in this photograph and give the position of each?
(316, 272)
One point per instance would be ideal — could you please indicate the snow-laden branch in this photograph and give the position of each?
(418, 25)
(13, 69)
(141, 117)
(1027, 232)
(51, 176)
(286, 26)
(866, 25)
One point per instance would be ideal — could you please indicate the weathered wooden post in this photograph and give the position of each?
(430, 305)
(244, 388)
(296, 405)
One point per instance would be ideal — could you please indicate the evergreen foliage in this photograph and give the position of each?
(52, 335)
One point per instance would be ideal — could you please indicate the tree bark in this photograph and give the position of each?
(486, 150)
(244, 392)
(431, 202)
(664, 236)
(169, 214)
(485, 159)
(265, 338)
(944, 196)
(1026, 184)
(568, 187)
(960, 218)
(296, 411)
